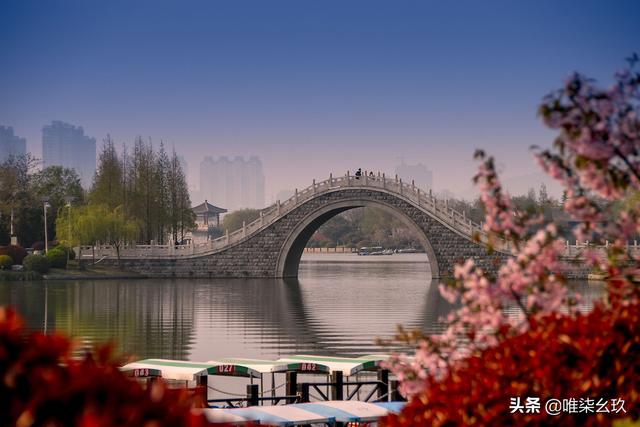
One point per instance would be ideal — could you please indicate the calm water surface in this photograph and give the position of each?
(340, 304)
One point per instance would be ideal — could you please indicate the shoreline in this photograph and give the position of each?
(105, 272)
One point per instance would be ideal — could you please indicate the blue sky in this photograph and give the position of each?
(310, 87)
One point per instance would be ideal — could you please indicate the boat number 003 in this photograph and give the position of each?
(144, 372)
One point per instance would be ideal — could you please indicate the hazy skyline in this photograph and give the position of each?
(309, 87)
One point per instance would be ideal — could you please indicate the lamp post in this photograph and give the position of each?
(69, 199)
(45, 201)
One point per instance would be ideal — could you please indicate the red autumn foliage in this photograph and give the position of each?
(17, 253)
(596, 355)
(41, 384)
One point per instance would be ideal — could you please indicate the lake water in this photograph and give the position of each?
(339, 305)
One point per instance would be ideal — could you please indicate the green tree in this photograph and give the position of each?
(19, 210)
(162, 172)
(119, 229)
(94, 224)
(58, 185)
(233, 221)
(108, 183)
(149, 186)
(181, 216)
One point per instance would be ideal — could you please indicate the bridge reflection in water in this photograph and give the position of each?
(334, 308)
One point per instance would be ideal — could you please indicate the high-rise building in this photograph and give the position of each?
(10, 144)
(67, 145)
(232, 184)
(419, 173)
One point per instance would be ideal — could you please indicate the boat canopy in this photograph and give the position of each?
(348, 366)
(190, 371)
(288, 415)
(257, 367)
(169, 369)
(222, 416)
(306, 413)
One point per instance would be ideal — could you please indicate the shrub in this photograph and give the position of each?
(37, 263)
(57, 258)
(46, 385)
(17, 253)
(67, 250)
(5, 262)
(585, 356)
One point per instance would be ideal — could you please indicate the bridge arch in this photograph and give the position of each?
(293, 247)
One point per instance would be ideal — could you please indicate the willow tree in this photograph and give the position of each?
(94, 224)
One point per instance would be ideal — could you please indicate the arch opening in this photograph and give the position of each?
(293, 247)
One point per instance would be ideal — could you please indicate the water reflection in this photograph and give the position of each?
(339, 305)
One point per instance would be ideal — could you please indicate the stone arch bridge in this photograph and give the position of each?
(272, 245)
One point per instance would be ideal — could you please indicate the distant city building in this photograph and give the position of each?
(236, 183)
(10, 144)
(67, 145)
(419, 173)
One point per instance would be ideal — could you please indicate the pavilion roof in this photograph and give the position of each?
(207, 207)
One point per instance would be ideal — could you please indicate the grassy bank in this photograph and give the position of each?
(90, 272)
(73, 272)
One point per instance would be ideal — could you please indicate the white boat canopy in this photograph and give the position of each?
(168, 369)
(257, 367)
(306, 413)
(348, 366)
(347, 411)
(288, 415)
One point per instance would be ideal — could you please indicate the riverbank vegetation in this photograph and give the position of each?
(148, 187)
(137, 196)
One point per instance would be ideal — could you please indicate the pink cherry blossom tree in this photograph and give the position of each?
(596, 158)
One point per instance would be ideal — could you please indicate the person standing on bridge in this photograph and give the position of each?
(358, 173)
(372, 177)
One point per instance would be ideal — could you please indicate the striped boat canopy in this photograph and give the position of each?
(256, 367)
(223, 416)
(346, 411)
(348, 366)
(287, 415)
(169, 369)
(306, 413)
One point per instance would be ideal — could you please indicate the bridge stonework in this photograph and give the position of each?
(275, 250)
